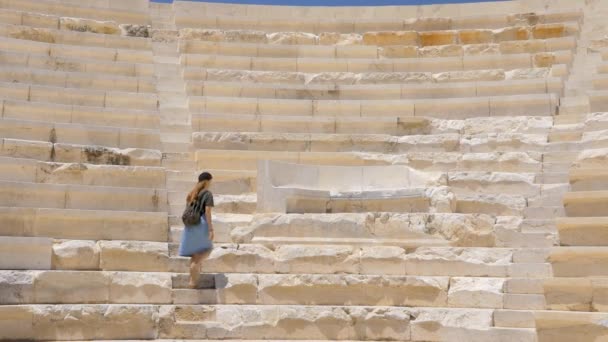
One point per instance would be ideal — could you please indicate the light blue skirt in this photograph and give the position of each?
(195, 239)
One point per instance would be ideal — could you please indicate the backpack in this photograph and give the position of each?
(194, 210)
(191, 216)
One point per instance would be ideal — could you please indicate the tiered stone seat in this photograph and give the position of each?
(105, 123)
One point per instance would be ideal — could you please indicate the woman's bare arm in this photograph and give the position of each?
(209, 223)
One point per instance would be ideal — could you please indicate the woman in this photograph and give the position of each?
(197, 240)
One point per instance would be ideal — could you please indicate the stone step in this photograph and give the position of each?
(453, 108)
(375, 91)
(95, 116)
(395, 44)
(433, 64)
(56, 287)
(81, 224)
(32, 171)
(68, 133)
(82, 39)
(80, 97)
(231, 186)
(586, 203)
(72, 153)
(371, 228)
(340, 78)
(132, 13)
(84, 64)
(429, 161)
(578, 261)
(268, 322)
(26, 253)
(373, 143)
(60, 196)
(583, 231)
(396, 126)
(358, 20)
(80, 80)
(588, 179)
(74, 51)
(150, 256)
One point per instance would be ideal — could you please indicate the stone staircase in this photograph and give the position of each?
(110, 109)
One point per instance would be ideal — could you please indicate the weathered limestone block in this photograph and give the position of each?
(391, 38)
(238, 288)
(15, 148)
(532, 124)
(26, 253)
(316, 259)
(480, 262)
(31, 33)
(531, 73)
(544, 59)
(578, 261)
(292, 38)
(110, 322)
(493, 183)
(140, 288)
(335, 38)
(559, 326)
(442, 199)
(427, 23)
(522, 46)
(240, 259)
(476, 292)
(441, 51)
(523, 19)
(382, 260)
(475, 36)
(591, 159)
(71, 287)
(16, 322)
(142, 31)
(133, 256)
(244, 36)
(398, 51)
(76, 255)
(16, 287)
(493, 204)
(481, 49)
(469, 75)
(88, 25)
(545, 31)
(511, 33)
(450, 325)
(568, 294)
(381, 323)
(353, 290)
(463, 230)
(437, 38)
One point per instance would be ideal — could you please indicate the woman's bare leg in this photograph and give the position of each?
(195, 269)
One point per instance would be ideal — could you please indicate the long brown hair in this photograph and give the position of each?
(203, 183)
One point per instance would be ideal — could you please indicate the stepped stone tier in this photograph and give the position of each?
(406, 173)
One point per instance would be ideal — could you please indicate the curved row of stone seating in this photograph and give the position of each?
(85, 115)
(347, 20)
(132, 12)
(73, 38)
(373, 91)
(542, 36)
(55, 50)
(192, 47)
(76, 65)
(433, 64)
